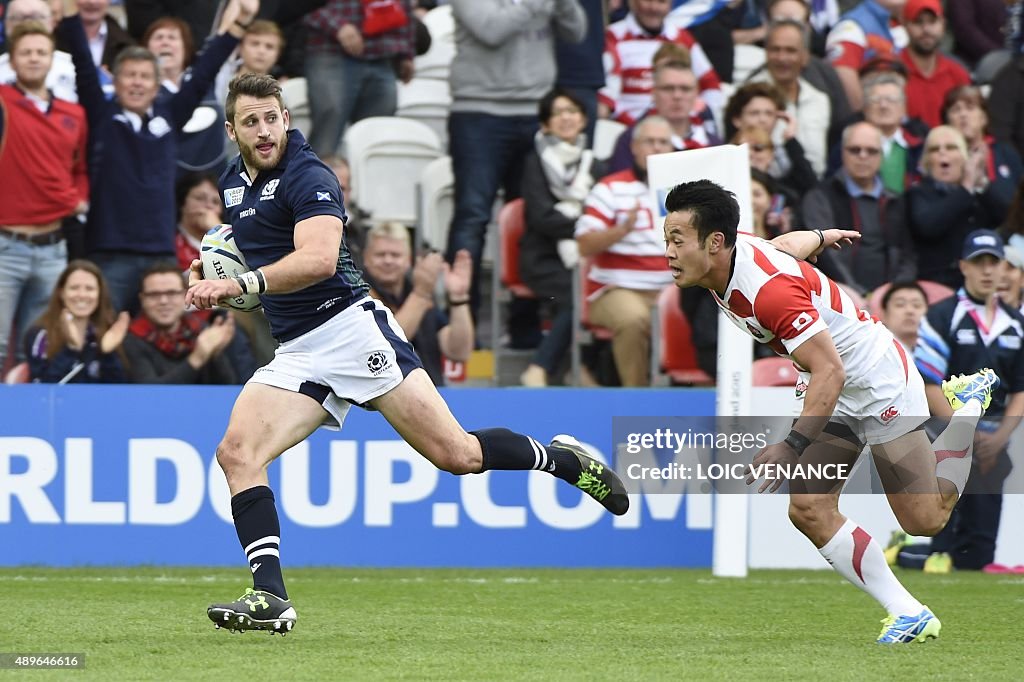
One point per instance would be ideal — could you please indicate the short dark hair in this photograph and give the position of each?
(161, 268)
(712, 208)
(255, 85)
(744, 96)
(189, 181)
(765, 180)
(902, 286)
(547, 103)
(136, 53)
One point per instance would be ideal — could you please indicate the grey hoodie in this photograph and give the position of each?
(505, 52)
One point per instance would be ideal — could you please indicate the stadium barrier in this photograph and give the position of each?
(125, 475)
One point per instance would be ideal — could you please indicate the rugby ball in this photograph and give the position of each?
(222, 260)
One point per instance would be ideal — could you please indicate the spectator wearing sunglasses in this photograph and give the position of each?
(856, 198)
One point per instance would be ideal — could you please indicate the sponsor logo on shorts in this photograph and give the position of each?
(754, 331)
(889, 413)
(377, 362)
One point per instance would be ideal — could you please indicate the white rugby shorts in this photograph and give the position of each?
(884, 403)
(358, 355)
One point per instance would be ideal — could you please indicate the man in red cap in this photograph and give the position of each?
(931, 74)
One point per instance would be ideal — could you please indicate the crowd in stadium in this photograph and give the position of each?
(897, 118)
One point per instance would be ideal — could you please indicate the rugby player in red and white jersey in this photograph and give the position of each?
(859, 388)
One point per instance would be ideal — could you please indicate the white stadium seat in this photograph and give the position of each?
(437, 203)
(436, 63)
(746, 59)
(427, 101)
(296, 102)
(387, 155)
(606, 134)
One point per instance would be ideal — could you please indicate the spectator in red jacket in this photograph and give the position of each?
(45, 179)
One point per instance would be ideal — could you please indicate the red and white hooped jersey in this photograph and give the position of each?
(782, 301)
(629, 79)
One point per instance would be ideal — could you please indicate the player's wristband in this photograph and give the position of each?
(452, 304)
(798, 441)
(252, 282)
(821, 236)
(244, 27)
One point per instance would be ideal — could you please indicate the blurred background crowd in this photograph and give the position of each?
(517, 131)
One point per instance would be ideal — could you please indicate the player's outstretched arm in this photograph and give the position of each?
(808, 244)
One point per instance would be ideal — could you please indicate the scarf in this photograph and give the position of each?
(174, 344)
(567, 171)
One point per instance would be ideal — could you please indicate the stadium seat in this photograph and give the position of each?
(933, 291)
(774, 372)
(427, 101)
(436, 63)
(387, 155)
(606, 134)
(436, 193)
(505, 276)
(746, 60)
(18, 374)
(673, 355)
(296, 102)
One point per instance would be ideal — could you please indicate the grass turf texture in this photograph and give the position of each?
(151, 624)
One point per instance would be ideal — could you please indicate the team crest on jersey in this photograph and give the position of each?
(889, 413)
(233, 196)
(269, 189)
(801, 389)
(377, 362)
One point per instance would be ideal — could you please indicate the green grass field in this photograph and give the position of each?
(150, 624)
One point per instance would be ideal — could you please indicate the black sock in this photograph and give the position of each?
(508, 450)
(260, 534)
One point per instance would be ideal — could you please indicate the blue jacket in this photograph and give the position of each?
(132, 173)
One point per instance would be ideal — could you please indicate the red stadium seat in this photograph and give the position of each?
(774, 372)
(505, 280)
(511, 226)
(677, 355)
(933, 291)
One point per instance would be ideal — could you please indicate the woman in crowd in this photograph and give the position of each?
(953, 198)
(202, 144)
(761, 105)
(557, 176)
(998, 163)
(78, 338)
(771, 216)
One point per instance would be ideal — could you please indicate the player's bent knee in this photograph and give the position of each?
(924, 526)
(232, 455)
(805, 512)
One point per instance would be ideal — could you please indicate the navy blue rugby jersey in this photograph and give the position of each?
(263, 215)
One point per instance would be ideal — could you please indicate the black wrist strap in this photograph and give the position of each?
(798, 441)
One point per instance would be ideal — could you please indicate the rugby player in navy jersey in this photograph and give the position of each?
(338, 347)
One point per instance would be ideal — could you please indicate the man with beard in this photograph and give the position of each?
(339, 348)
(931, 74)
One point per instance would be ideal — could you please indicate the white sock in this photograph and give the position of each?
(859, 559)
(954, 448)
